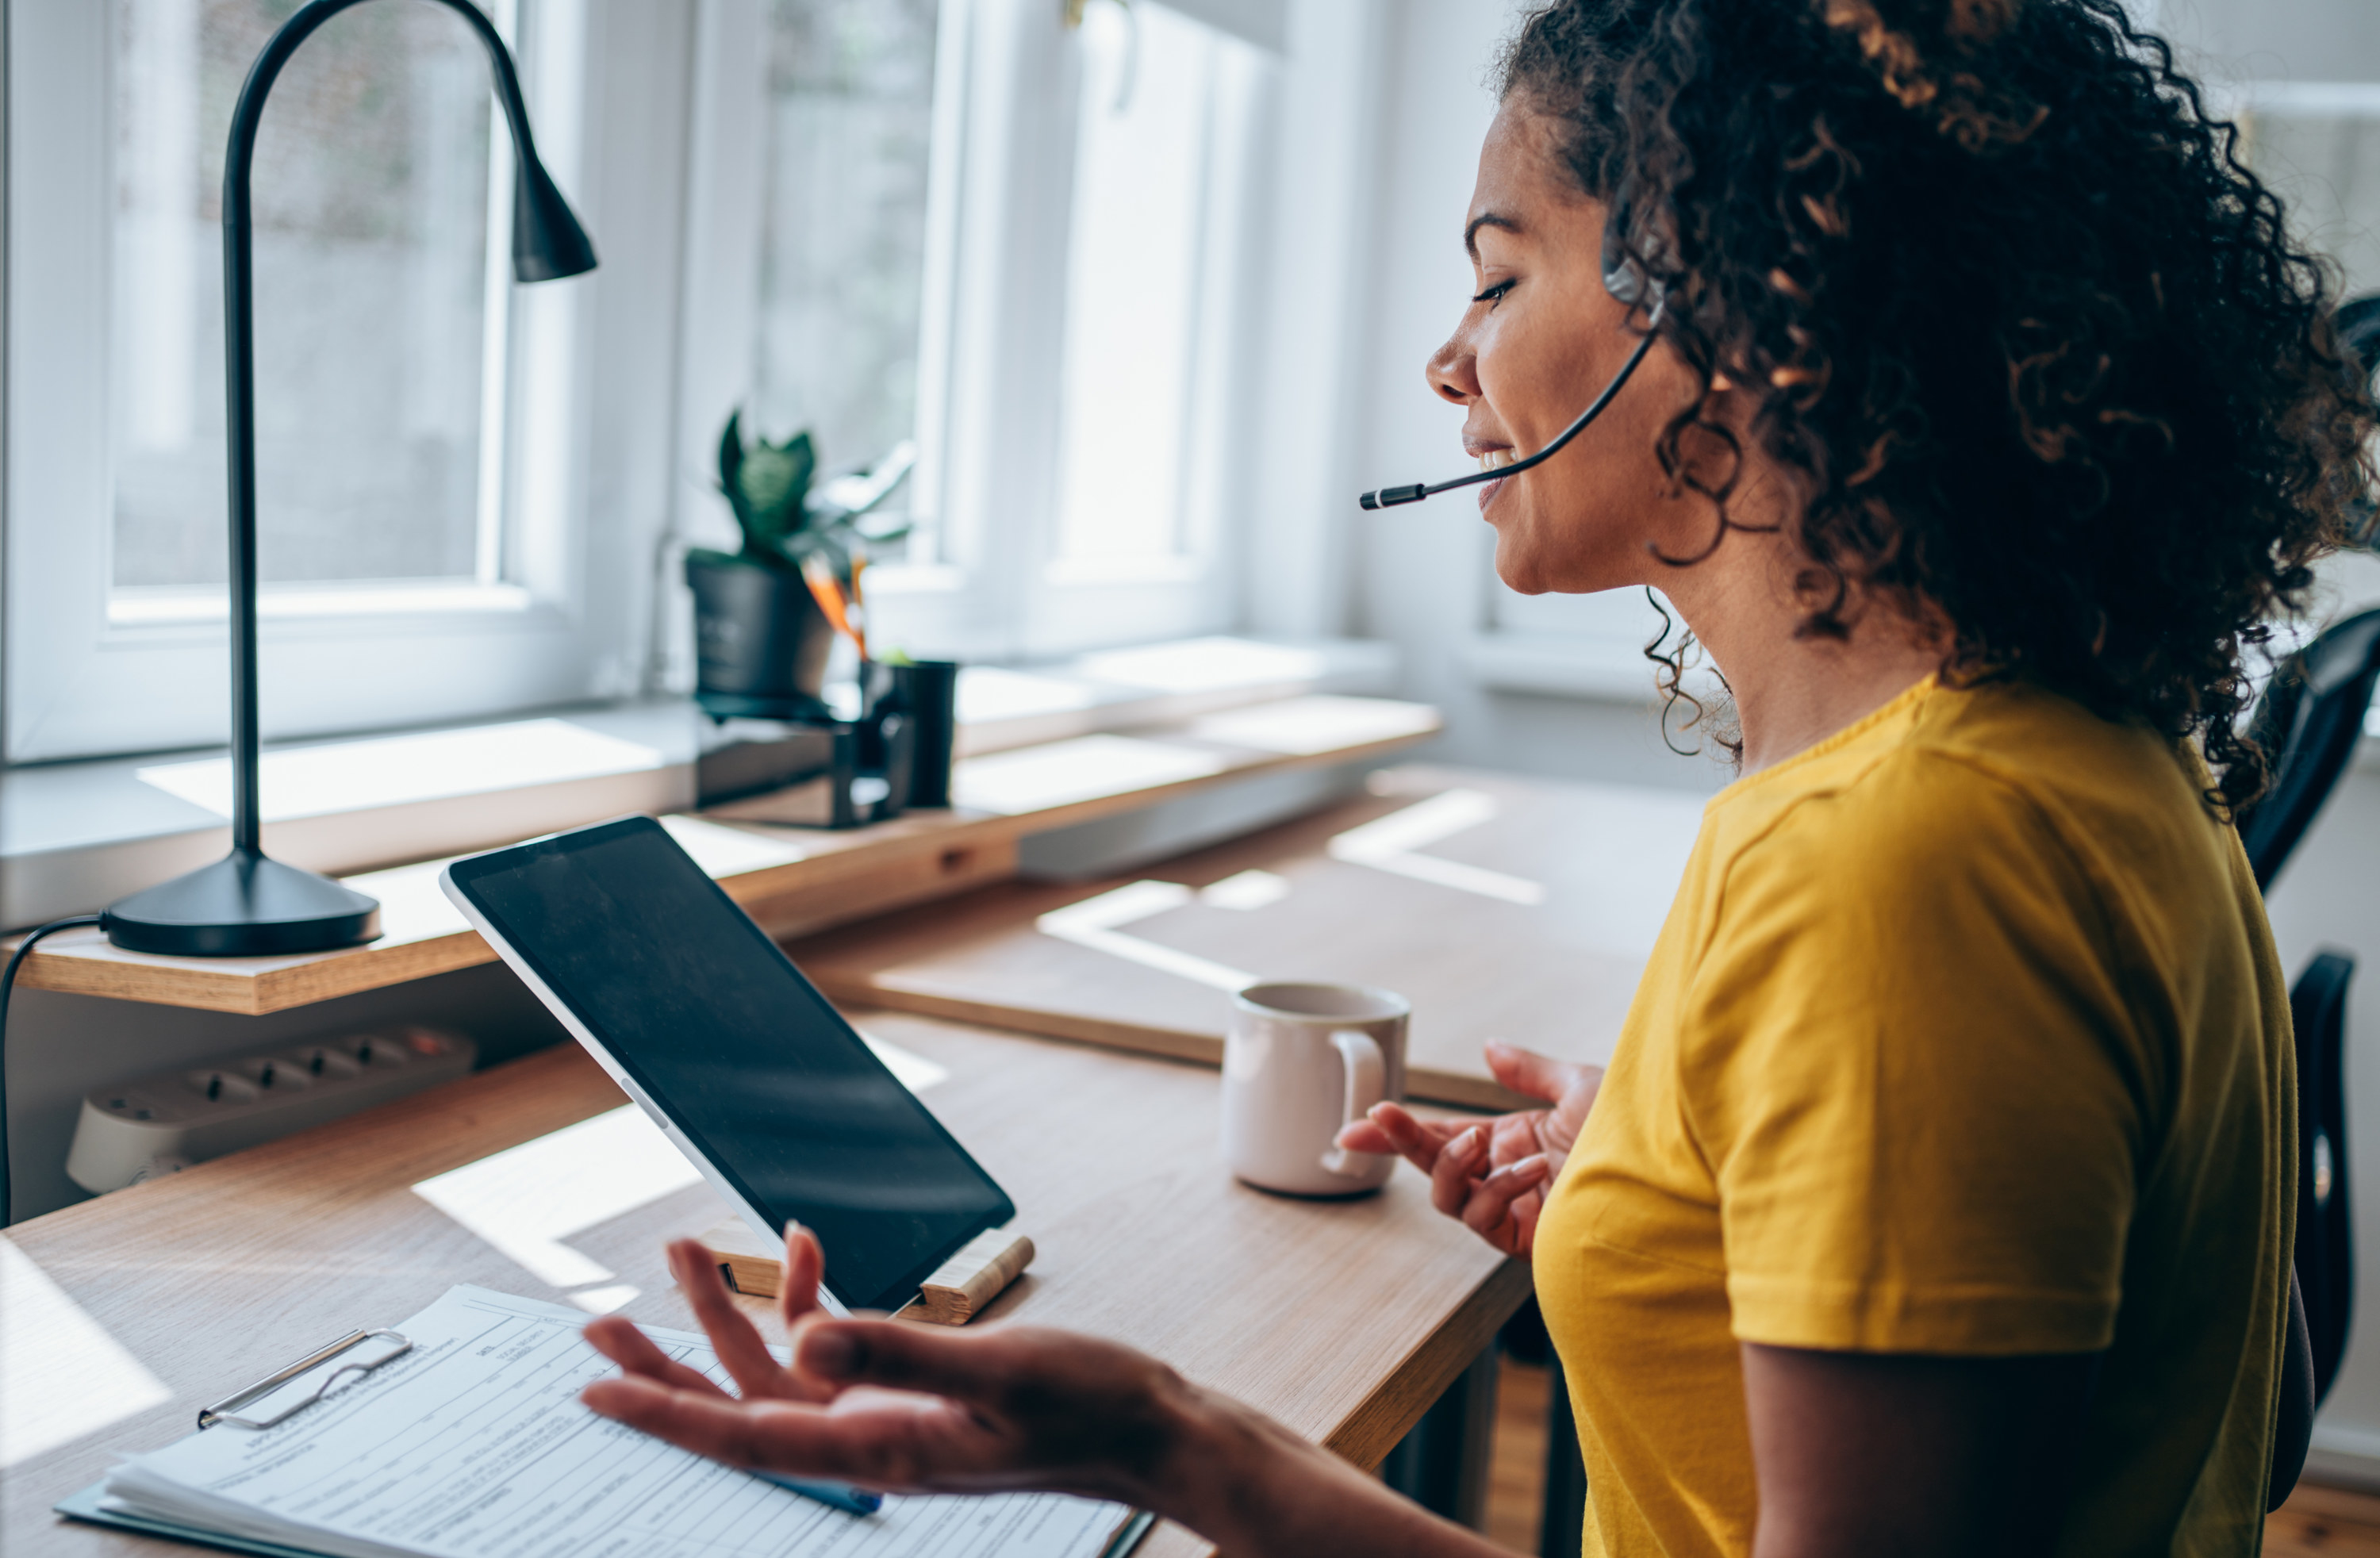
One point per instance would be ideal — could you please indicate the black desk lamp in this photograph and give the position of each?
(246, 905)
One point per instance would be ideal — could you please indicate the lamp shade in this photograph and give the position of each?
(548, 242)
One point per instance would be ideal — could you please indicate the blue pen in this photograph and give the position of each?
(839, 1495)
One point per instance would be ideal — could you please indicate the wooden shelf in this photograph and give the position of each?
(794, 880)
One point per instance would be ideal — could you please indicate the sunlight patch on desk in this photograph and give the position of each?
(526, 1200)
(1392, 843)
(1034, 778)
(62, 1376)
(913, 1071)
(1248, 891)
(412, 906)
(722, 850)
(987, 692)
(603, 1300)
(1304, 726)
(1092, 924)
(396, 770)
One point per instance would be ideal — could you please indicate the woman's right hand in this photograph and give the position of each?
(1493, 1174)
(907, 1407)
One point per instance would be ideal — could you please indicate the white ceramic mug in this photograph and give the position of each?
(1299, 1062)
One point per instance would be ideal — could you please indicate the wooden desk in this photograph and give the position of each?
(1345, 1320)
(1447, 922)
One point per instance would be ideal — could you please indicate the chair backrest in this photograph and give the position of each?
(2308, 720)
(2326, 1247)
(2322, 1268)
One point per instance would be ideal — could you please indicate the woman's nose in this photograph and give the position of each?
(1451, 371)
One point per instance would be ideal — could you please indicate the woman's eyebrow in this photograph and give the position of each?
(1486, 219)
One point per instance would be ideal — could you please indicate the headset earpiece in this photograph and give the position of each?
(1625, 275)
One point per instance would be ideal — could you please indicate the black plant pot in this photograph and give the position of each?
(760, 640)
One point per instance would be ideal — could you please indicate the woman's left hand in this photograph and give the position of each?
(1492, 1175)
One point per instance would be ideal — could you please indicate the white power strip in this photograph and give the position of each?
(168, 1120)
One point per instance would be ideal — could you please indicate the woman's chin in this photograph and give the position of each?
(1528, 570)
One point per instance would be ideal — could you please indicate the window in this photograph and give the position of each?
(422, 449)
(371, 249)
(841, 272)
(2318, 145)
(1160, 179)
(1032, 247)
(1026, 245)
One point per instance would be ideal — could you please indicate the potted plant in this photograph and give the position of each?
(761, 638)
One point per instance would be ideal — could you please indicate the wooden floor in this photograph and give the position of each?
(2315, 1523)
(1516, 1471)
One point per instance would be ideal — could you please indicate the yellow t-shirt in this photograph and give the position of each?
(1964, 1035)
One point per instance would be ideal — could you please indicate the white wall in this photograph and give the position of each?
(2276, 40)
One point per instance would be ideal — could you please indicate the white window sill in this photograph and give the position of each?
(1604, 670)
(1611, 671)
(75, 835)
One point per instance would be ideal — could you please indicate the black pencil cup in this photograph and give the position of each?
(924, 693)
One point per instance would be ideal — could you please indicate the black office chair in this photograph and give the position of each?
(2325, 1248)
(2310, 720)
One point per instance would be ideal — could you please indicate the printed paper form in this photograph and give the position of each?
(475, 1447)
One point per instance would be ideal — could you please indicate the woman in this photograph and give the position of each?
(1939, 1196)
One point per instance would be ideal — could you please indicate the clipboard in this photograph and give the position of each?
(86, 1506)
(90, 1505)
(94, 1504)
(227, 1409)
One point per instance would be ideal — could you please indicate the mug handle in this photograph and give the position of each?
(1367, 1071)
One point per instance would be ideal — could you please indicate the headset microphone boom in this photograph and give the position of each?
(1625, 279)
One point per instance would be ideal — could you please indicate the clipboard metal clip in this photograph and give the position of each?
(227, 1410)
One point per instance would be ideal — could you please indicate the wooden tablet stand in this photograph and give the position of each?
(960, 1289)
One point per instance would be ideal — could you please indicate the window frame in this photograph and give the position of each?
(981, 581)
(650, 119)
(84, 680)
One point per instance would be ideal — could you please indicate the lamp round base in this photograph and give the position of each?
(244, 905)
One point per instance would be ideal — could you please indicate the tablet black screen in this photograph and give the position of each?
(742, 1053)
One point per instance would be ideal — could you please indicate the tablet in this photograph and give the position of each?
(700, 1018)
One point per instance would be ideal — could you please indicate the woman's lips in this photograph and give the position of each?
(1493, 459)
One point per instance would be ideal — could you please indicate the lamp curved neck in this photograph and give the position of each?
(239, 358)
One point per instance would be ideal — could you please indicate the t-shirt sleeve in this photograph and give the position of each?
(1909, 1065)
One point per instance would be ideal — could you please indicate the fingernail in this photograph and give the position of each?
(830, 1354)
(1530, 1167)
(1470, 1142)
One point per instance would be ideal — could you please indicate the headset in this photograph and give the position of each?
(1625, 278)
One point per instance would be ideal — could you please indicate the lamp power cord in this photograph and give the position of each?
(7, 983)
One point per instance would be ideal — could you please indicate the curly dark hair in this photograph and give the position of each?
(2033, 343)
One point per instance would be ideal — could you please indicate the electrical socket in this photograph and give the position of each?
(166, 1121)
